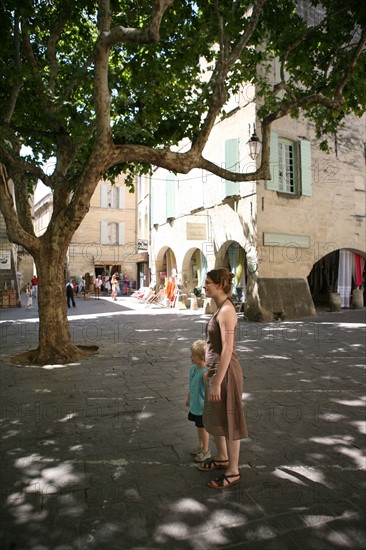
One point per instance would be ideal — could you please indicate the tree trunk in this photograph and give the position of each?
(54, 337)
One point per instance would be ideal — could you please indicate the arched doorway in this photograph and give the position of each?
(341, 271)
(194, 271)
(234, 260)
(167, 273)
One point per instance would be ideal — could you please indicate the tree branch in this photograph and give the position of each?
(16, 233)
(224, 65)
(51, 51)
(30, 55)
(101, 69)
(14, 92)
(177, 162)
(150, 34)
(21, 165)
(351, 67)
(23, 207)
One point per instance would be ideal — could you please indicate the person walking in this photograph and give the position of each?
(29, 293)
(97, 287)
(223, 414)
(70, 293)
(115, 286)
(34, 282)
(195, 399)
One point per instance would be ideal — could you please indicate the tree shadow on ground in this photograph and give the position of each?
(94, 455)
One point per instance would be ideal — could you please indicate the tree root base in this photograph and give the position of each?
(53, 356)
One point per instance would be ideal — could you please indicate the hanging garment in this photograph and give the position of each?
(359, 266)
(345, 276)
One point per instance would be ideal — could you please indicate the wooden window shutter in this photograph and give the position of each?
(273, 163)
(232, 163)
(103, 232)
(170, 196)
(121, 233)
(121, 196)
(155, 202)
(305, 168)
(103, 196)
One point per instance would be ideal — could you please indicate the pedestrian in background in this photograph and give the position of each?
(223, 415)
(196, 398)
(29, 291)
(34, 282)
(70, 294)
(97, 287)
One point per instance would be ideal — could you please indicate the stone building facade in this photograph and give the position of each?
(273, 235)
(105, 241)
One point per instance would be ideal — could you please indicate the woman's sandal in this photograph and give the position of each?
(224, 481)
(213, 464)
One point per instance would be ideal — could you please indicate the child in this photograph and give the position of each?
(28, 291)
(196, 398)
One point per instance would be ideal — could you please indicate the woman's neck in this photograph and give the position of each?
(219, 300)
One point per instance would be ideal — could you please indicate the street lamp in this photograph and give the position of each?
(254, 144)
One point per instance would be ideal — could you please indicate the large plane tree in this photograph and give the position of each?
(109, 86)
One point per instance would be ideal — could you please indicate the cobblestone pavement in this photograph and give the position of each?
(94, 455)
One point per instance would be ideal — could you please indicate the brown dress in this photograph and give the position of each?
(225, 417)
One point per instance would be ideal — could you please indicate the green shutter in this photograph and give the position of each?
(232, 163)
(305, 168)
(170, 196)
(154, 202)
(273, 163)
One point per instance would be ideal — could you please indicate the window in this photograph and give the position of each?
(287, 166)
(290, 164)
(112, 196)
(112, 233)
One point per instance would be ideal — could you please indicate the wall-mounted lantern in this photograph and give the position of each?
(254, 144)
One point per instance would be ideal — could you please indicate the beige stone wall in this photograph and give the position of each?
(332, 218)
(310, 227)
(87, 249)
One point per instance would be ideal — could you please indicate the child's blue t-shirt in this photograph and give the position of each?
(196, 390)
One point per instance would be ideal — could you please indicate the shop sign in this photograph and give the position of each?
(196, 232)
(142, 244)
(5, 259)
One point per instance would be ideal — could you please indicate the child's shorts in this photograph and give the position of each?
(196, 419)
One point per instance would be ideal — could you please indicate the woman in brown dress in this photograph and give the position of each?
(223, 415)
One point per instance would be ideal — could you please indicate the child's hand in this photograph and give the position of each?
(187, 402)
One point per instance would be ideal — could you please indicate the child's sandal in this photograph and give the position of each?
(202, 456)
(195, 450)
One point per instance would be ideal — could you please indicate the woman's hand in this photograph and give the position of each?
(215, 392)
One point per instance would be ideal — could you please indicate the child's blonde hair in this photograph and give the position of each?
(198, 348)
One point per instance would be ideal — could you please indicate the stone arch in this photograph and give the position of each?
(341, 271)
(194, 269)
(165, 266)
(233, 256)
